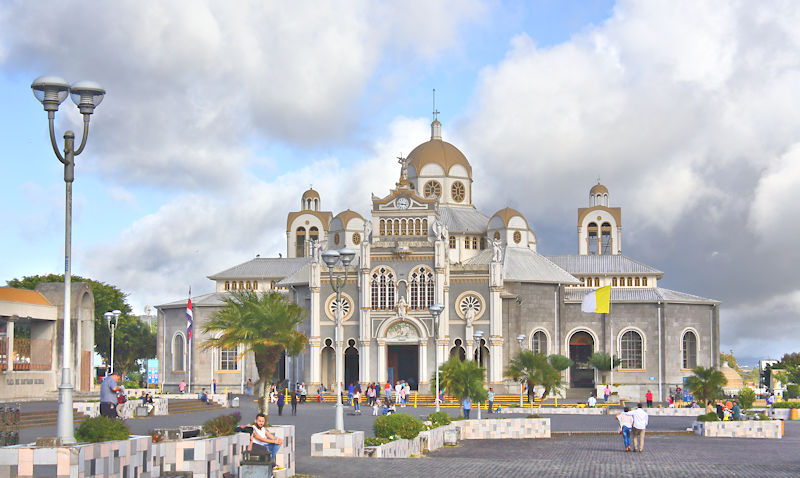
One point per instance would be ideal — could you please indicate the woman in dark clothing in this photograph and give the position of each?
(294, 403)
(281, 402)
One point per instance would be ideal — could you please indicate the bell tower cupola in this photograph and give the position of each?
(599, 226)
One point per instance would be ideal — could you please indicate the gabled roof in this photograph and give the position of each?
(206, 300)
(601, 264)
(263, 268)
(525, 265)
(24, 296)
(642, 294)
(299, 277)
(464, 219)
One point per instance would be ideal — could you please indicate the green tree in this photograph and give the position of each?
(265, 324)
(462, 379)
(552, 378)
(130, 342)
(746, 397)
(731, 359)
(602, 362)
(530, 368)
(706, 384)
(790, 364)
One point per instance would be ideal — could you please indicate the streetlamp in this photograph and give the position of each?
(51, 91)
(331, 259)
(436, 311)
(520, 339)
(112, 318)
(147, 310)
(477, 336)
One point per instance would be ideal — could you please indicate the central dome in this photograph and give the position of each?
(437, 152)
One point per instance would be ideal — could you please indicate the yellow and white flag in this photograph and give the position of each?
(597, 301)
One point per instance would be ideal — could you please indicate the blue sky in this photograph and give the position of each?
(218, 117)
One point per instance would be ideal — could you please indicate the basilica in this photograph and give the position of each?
(425, 243)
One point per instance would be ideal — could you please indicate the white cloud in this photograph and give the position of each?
(773, 215)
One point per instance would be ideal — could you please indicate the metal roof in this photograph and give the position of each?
(300, 277)
(206, 300)
(263, 267)
(525, 265)
(464, 219)
(601, 264)
(641, 294)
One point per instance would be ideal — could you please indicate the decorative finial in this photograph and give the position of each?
(598, 179)
(435, 111)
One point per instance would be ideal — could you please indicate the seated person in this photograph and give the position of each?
(261, 440)
(592, 402)
(147, 401)
(388, 407)
(203, 396)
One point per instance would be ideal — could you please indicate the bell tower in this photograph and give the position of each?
(599, 226)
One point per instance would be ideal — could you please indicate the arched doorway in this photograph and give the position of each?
(481, 354)
(328, 368)
(350, 364)
(402, 353)
(458, 350)
(279, 374)
(581, 347)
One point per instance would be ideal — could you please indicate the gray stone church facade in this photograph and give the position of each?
(426, 243)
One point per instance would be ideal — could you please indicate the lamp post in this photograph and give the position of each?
(436, 311)
(51, 91)
(477, 336)
(331, 259)
(147, 310)
(520, 339)
(111, 320)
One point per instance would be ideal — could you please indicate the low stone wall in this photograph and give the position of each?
(331, 443)
(92, 409)
(433, 439)
(138, 456)
(778, 413)
(556, 411)
(740, 429)
(504, 428)
(84, 461)
(675, 412)
(394, 449)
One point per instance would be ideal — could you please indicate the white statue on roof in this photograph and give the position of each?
(497, 250)
(440, 231)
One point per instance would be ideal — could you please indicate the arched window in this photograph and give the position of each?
(424, 226)
(417, 227)
(241, 285)
(614, 281)
(313, 234)
(689, 350)
(227, 285)
(606, 238)
(452, 241)
(247, 284)
(227, 359)
(383, 289)
(630, 350)
(475, 242)
(458, 350)
(255, 285)
(597, 282)
(178, 353)
(605, 200)
(383, 227)
(300, 248)
(497, 235)
(233, 285)
(403, 231)
(466, 242)
(539, 343)
(592, 238)
(644, 281)
(397, 227)
(638, 282)
(630, 282)
(422, 288)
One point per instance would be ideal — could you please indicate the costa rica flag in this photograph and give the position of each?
(189, 320)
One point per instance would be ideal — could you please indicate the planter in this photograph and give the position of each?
(432, 440)
(492, 429)
(740, 429)
(401, 448)
(128, 409)
(675, 412)
(544, 410)
(333, 443)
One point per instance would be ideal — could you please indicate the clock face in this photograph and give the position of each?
(403, 203)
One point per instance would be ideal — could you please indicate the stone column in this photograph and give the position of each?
(315, 360)
(382, 372)
(364, 361)
(423, 361)
(10, 338)
(495, 360)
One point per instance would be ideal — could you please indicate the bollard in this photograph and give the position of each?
(415, 399)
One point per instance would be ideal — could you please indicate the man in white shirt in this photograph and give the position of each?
(592, 401)
(263, 439)
(640, 420)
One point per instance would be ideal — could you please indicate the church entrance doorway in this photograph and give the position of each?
(581, 346)
(403, 364)
(328, 366)
(350, 364)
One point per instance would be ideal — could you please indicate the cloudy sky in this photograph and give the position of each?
(219, 115)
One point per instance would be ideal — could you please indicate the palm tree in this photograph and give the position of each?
(602, 362)
(530, 368)
(463, 379)
(706, 384)
(265, 324)
(552, 377)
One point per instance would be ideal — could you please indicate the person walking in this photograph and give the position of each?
(303, 392)
(649, 397)
(606, 394)
(678, 396)
(466, 406)
(402, 396)
(249, 388)
(625, 424)
(490, 398)
(356, 402)
(108, 395)
(350, 390)
(294, 403)
(640, 420)
(281, 402)
(182, 386)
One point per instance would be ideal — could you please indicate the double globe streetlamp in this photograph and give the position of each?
(477, 336)
(112, 318)
(520, 339)
(51, 91)
(332, 258)
(436, 311)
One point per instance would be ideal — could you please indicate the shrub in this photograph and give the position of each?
(439, 419)
(400, 424)
(793, 390)
(98, 429)
(222, 425)
(376, 441)
(786, 405)
(708, 417)
(534, 415)
(746, 397)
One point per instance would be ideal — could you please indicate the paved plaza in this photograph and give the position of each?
(594, 451)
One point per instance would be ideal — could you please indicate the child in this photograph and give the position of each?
(375, 408)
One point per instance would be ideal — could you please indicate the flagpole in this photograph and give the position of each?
(613, 340)
(190, 338)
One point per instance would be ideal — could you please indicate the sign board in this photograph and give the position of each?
(152, 371)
